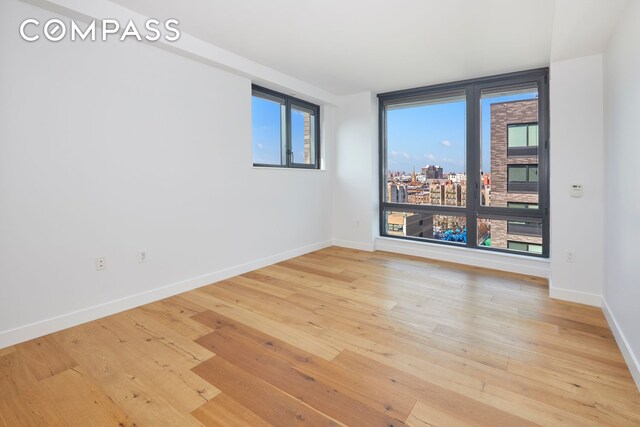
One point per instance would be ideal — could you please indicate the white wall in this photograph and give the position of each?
(576, 151)
(356, 180)
(622, 202)
(108, 148)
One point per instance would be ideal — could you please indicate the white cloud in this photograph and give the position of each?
(400, 153)
(260, 146)
(446, 143)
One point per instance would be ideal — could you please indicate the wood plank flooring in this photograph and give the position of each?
(336, 337)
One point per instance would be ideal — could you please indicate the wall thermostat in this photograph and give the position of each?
(576, 190)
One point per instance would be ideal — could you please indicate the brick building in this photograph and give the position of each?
(307, 139)
(432, 172)
(437, 193)
(410, 224)
(514, 172)
(396, 193)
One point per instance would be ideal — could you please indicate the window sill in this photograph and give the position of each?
(504, 261)
(284, 168)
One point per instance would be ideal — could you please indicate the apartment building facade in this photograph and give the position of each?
(514, 173)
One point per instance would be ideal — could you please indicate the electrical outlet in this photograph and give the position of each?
(142, 256)
(101, 263)
(571, 256)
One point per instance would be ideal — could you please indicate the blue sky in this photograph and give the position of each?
(417, 136)
(427, 135)
(436, 134)
(265, 116)
(266, 132)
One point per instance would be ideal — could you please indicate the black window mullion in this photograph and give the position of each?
(434, 209)
(287, 120)
(487, 211)
(473, 164)
(382, 164)
(543, 159)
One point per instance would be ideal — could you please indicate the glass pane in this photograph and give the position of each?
(533, 135)
(536, 249)
(509, 133)
(515, 234)
(517, 174)
(517, 136)
(303, 129)
(426, 148)
(522, 205)
(517, 246)
(525, 247)
(267, 117)
(428, 226)
(533, 174)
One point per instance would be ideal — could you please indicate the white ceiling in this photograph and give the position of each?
(349, 46)
(583, 27)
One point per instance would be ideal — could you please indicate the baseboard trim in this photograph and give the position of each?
(496, 261)
(67, 320)
(621, 339)
(369, 247)
(575, 296)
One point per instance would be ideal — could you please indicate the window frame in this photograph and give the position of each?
(290, 103)
(474, 210)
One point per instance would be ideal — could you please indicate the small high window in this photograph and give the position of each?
(284, 131)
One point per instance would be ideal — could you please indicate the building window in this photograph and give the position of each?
(522, 135)
(522, 205)
(522, 139)
(525, 247)
(447, 164)
(285, 130)
(524, 228)
(395, 227)
(522, 178)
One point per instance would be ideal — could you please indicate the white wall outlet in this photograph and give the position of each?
(571, 256)
(101, 263)
(142, 255)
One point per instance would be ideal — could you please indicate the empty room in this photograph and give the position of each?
(330, 213)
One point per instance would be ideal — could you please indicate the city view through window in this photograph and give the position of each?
(426, 165)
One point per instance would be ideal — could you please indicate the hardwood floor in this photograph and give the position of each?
(335, 337)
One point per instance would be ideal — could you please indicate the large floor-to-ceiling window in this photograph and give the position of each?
(467, 163)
